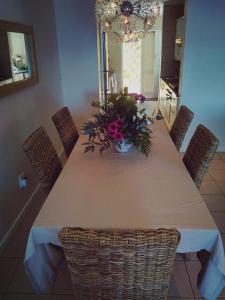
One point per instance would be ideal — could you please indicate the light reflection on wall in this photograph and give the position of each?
(132, 66)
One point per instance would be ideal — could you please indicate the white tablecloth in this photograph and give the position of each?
(126, 191)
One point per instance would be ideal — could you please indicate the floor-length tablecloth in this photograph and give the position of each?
(126, 191)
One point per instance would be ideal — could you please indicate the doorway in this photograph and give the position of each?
(134, 65)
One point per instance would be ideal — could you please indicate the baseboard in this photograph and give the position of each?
(11, 230)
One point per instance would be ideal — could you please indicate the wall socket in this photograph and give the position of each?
(22, 181)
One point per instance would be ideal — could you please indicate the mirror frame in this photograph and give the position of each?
(17, 85)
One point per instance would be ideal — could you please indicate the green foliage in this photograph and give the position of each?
(134, 124)
(143, 142)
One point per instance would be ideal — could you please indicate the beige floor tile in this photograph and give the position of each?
(189, 256)
(217, 165)
(221, 185)
(192, 256)
(217, 174)
(208, 187)
(180, 298)
(26, 297)
(63, 284)
(193, 268)
(219, 218)
(215, 202)
(20, 282)
(180, 285)
(179, 256)
(8, 267)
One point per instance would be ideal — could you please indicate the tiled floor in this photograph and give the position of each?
(14, 284)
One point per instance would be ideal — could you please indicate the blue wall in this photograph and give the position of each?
(77, 42)
(203, 83)
(22, 112)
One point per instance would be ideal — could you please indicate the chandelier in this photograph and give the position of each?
(126, 21)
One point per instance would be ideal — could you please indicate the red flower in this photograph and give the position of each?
(112, 127)
(119, 123)
(118, 136)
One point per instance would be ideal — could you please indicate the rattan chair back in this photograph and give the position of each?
(109, 265)
(43, 157)
(66, 129)
(199, 153)
(181, 125)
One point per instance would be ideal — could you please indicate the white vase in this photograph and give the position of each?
(123, 146)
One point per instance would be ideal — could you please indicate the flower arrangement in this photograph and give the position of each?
(118, 121)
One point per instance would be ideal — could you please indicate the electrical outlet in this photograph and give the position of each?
(22, 181)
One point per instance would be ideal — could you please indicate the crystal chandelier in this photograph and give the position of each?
(126, 21)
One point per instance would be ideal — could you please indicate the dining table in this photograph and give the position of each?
(126, 191)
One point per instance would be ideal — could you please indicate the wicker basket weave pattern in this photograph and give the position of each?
(181, 125)
(199, 153)
(66, 129)
(120, 264)
(43, 157)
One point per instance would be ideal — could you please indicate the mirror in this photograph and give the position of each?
(17, 57)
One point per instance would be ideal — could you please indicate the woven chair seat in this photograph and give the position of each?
(181, 125)
(199, 153)
(134, 264)
(43, 157)
(66, 129)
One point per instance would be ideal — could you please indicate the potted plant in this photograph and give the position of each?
(119, 122)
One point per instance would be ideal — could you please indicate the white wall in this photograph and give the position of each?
(203, 83)
(77, 42)
(22, 112)
(148, 73)
(151, 59)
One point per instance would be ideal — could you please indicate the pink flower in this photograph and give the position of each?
(134, 95)
(118, 136)
(112, 127)
(119, 123)
(113, 130)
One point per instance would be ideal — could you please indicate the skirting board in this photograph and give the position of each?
(12, 228)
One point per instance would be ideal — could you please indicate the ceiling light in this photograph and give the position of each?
(127, 21)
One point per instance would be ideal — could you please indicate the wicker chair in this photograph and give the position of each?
(66, 129)
(199, 153)
(181, 125)
(43, 157)
(108, 265)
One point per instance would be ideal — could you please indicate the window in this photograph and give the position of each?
(132, 66)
